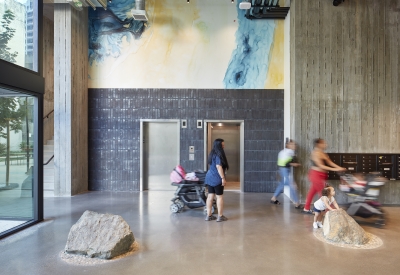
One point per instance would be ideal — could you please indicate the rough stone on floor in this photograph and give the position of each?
(340, 228)
(103, 236)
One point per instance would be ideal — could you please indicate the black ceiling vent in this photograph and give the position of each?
(264, 9)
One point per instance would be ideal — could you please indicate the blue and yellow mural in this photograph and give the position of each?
(201, 44)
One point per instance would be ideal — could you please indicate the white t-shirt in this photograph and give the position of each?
(285, 157)
(320, 205)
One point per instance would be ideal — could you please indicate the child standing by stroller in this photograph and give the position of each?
(322, 204)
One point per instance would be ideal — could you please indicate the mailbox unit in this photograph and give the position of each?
(387, 164)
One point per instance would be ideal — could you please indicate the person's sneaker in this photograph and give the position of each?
(315, 225)
(298, 206)
(210, 218)
(222, 218)
(320, 225)
(310, 212)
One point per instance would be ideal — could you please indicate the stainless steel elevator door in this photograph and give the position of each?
(160, 154)
(231, 134)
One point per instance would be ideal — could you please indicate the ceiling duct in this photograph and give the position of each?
(139, 13)
(264, 9)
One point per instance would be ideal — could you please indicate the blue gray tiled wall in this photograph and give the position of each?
(114, 131)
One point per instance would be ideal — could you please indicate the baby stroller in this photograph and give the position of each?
(364, 193)
(190, 193)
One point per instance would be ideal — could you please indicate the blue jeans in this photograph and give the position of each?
(285, 180)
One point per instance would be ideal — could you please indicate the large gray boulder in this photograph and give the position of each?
(98, 235)
(340, 228)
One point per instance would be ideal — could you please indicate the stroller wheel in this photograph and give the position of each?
(380, 222)
(180, 203)
(174, 208)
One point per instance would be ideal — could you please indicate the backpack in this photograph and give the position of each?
(178, 174)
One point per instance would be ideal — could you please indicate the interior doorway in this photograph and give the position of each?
(232, 132)
(159, 140)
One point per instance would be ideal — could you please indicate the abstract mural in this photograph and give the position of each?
(202, 44)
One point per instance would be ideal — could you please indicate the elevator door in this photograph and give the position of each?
(230, 133)
(160, 154)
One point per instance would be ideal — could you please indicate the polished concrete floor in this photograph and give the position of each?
(258, 238)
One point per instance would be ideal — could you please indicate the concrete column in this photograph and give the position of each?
(70, 100)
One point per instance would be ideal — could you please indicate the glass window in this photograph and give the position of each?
(17, 149)
(19, 32)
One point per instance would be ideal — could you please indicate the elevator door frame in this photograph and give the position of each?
(142, 121)
(205, 126)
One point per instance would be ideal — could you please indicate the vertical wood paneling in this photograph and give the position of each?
(79, 116)
(345, 78)
(48, 74)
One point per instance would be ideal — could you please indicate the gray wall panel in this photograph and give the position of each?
(114, 122)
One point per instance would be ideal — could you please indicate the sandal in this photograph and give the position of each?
(298, 206)
(275, 202)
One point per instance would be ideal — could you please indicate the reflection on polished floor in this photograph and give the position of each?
(232, 186)
(8, 224)
(258, 238)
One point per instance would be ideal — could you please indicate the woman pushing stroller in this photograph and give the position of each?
(318, 173)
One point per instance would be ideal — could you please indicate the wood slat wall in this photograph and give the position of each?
(345, 79)
(80, 72)
(48, 74)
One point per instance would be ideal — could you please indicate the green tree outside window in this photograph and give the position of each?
(6, 36)
(11, 118)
